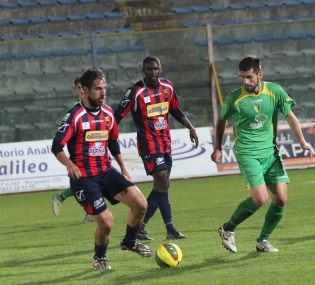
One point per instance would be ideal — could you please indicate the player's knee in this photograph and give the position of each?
(161, 181)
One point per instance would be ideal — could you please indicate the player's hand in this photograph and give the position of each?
(73, 171)
(194, 137)
(216, 156)
(307, 146)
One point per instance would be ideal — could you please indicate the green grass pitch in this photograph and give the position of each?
(38, 248)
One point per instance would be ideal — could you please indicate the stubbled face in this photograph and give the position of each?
(79, 91)
(95, 97)
(152, 72)
(251, 80)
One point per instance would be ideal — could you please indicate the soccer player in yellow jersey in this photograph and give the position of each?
(254, 108)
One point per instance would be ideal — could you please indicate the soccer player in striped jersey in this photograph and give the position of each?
(90, 132)
(254, 108)
(150, 101)
(58, 199)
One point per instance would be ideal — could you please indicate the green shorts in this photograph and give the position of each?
(257, 171)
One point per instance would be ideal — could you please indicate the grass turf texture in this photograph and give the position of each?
(37, 248)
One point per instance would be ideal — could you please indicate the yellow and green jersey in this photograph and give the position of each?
(255, 118)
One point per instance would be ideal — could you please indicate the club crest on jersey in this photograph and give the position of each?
(106, 120)
(165, 94)
(161, 124)
(91, 136)
(157, 109)
(257, 105)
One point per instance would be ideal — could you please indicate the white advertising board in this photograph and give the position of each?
(31, 166)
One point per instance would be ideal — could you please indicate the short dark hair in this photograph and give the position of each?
(76, 81)
(88, 76)
(249, 62)
(149, 59)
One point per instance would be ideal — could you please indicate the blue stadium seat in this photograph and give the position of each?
(255, 5)
(4, 22)
(193, 25)
(46, 3)
(217, 8)
(79, 51)
(200, 9)
(102, 50)
(242, 40)
(74, 17)
(19, 21)
(113, 15)
(60, 52)
(227, 22)
(94, 16)
(9, 38)
(308, 2)
(136, 48)
(37, 20)
(27, 4)
(280, 37)
(67, 2)
(273, 4)
(223, 41)
(181, 10)
(201, 43)
(301, 17)
(9, 5)
(237, 6)
(21, 55)
(28, 37)
(261, 39)
(47, 35)
(311, 35)
(245, 21)
(291, 3)
(5, 56)
(117, 48)
(84, 33)
(104, 31)
(87, 1)
(56, 19)
(298, 36)
(66, 34)
(106, 1)
(41, 54)
(285, 18)
(265, 20)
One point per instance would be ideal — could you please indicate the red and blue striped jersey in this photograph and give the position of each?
(86, 133)
(150, 108)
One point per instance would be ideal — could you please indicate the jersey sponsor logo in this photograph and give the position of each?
(65, 118)
(80, 196)
(259, 121)
(97, 150)
(162, 124)
(96, 121)
(157, 109)
(63, 127)
(91, 136)
(98, 203)
(86, 125)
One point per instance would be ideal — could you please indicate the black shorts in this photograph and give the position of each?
(156, 162)
(91, 191)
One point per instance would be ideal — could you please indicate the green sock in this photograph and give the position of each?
(244, 210)
(272, 219)
(65, 194)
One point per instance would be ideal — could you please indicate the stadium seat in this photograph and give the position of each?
(124, 30)
(60, 52)
(40, 54)
(94, 16)
(285, 18)
(37, 20)
(255, 5)
(311, 35)
(19, 21)
(84, 33)
(5, 56)
(217, 8)
(21, 55)
(9, 38)
(106, 1)
(200, 9)
(113, 15)
(117, 48)
(104, 31)
(66, 2)
(261, 39)
(246, 21)
(298, 36)
(28, 37)
(227, 22)
(79, 51)
(308, 52)
(237, 6)
(242, 40)
(136, 48)
(308, 2)
(47, 35)
(181, 10)
(46, 3)
(273, 4)
(223, 41)
(66, 34)
(102, 50)
(27, 4)
(87, 1)
(9, 5)
(73, 17)
(193, 25)
(4, 22)
(201, 43)
(280, 37)
(291, 3)
(56, 19)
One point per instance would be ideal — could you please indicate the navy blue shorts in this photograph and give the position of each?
(91, 191)
(157, 162)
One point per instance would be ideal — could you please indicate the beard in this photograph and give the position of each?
(95, 103)
(251, 88)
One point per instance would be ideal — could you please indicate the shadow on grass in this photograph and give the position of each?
(294, 240)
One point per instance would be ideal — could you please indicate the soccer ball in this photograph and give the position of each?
(168, 255)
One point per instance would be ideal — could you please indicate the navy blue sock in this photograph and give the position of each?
(100, 250)
(131, 235)
(166, 211)
(153, 204)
